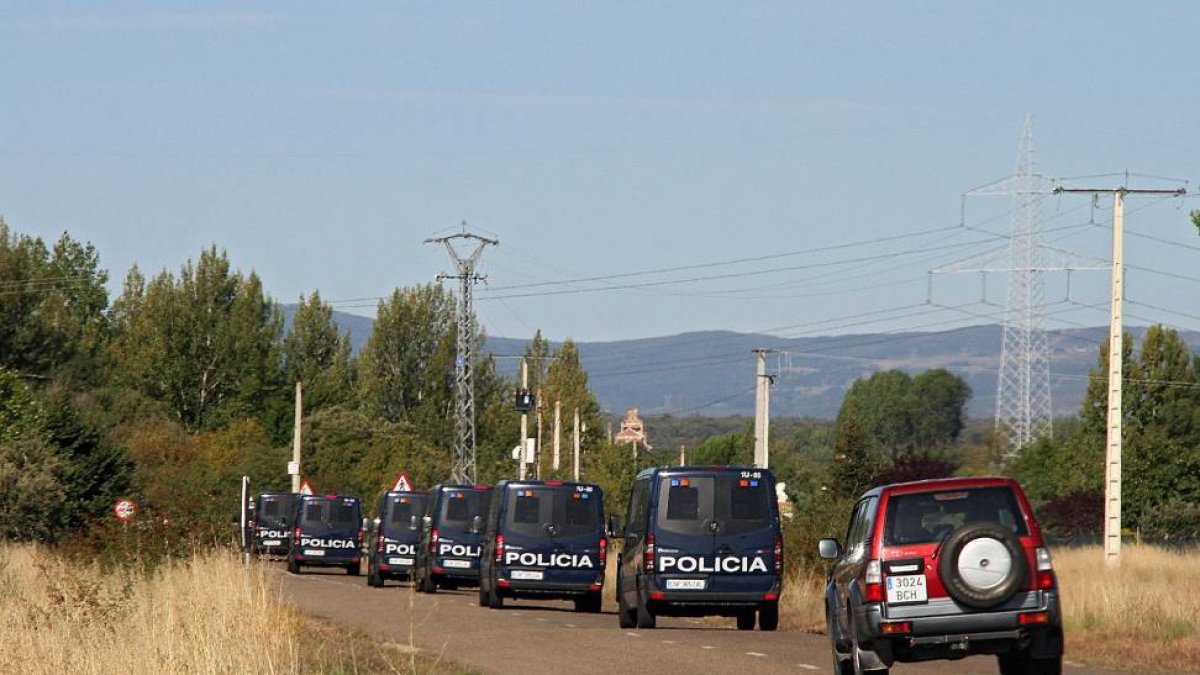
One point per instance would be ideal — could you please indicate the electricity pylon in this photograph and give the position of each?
(464, 390)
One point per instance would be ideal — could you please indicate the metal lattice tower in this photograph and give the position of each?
(1023, 386)
(464, 389)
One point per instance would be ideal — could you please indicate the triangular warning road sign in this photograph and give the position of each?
(402, 484)
(305, 488)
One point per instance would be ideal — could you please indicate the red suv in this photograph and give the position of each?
(942, 569)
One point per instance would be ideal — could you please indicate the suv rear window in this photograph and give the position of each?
(926, 517)
(552, 512)
(459, 507)
(690, 504)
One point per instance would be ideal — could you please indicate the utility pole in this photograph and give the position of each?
(575, 446)
(682, 455)
(762, 410)
(524, 445)
(557, 431)
(294, 466)
(537, 446)
(464, 409)
(1116, 343)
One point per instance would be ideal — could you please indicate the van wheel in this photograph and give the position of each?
(483, 596)
(293, 565)
(768, 616)
(645, 618)
(590, 603)
(626, 616)
(495, 600)
(427, 584)
(374, 578)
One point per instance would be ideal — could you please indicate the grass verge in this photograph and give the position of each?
(207, 615)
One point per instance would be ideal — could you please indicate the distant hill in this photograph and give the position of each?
(711, 373)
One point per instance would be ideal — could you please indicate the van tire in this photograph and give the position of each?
(768, 616)
(483, 597)
(626, 616)
(293, 565)
(645, 618)
(590, 603)
(427, 584)
(495, 600)
(745, 620)
(374, 578)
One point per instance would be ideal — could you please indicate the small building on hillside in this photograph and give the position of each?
(633, 431)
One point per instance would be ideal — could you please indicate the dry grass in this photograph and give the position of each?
(802, 605)
(1146, 613)
(211, 615)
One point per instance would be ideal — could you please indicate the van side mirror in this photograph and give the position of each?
(829, 549)
(477, 525)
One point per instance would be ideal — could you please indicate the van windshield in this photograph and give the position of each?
(714, 504)
(926, 517)
(273, 510)
(402, 508)
(459, 508)
(551, 512)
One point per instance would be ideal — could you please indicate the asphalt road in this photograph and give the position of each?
(535, 637)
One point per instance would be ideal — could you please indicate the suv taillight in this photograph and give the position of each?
(603, 551)
(433, 540)
(1045, 569)
(778, 554)
(648, 559)
(874, 581)
(499, 547)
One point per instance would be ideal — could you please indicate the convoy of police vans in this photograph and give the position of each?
(707, 541)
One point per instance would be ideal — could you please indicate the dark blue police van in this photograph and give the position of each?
(268, 522)
(448, 555)
(701, 541)
(394, 537)
(328, 533)
(544, 540)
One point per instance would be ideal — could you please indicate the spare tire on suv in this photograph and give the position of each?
(982, 565)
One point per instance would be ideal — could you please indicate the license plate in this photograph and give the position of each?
(906, 588)
(272, 542)
(457, 564)
(314, 552)
(400, 561)
(685, 584)
(527, 575)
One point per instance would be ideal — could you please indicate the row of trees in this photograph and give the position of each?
(184, 382)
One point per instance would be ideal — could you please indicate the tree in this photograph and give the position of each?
(857, 460)
(52, 307)
(566, 383)
(206, 343)
(315, 354)
(908, 415)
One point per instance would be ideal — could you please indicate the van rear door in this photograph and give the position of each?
(553, 532)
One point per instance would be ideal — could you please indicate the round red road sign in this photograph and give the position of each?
(125, 509)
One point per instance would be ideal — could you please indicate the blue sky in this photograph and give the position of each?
(320, 146)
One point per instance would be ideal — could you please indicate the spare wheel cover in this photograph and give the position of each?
(982, 565)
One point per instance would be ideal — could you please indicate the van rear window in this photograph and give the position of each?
(722, 503)
(459, 507)
(402, 509)
(551, 512)
(926, 517)
(314, 512)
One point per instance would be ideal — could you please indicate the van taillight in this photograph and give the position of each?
(1045, 570)
(874, 581)
(499, 547)
(778, 554)
(603, 551)
(433, 540)
(296, 534)
(379, 544)
(361, 533)
(648, 559)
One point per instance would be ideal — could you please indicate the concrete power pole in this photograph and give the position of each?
(762, 410)
(1116, 342)
(464, 409)
(524, 445)
(575, 446)
(294, 467)
(557, 433)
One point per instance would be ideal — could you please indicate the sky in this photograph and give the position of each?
(648, 168)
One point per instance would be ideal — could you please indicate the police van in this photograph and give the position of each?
(544, 540)
(269, 528)
(395, 534)
(448, 555)
(701, 541)
(328, 533)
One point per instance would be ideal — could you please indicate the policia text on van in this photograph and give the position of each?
(701, 541)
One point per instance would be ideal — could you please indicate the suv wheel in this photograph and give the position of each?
(841, 660)
(857, 665)
(982, 565)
